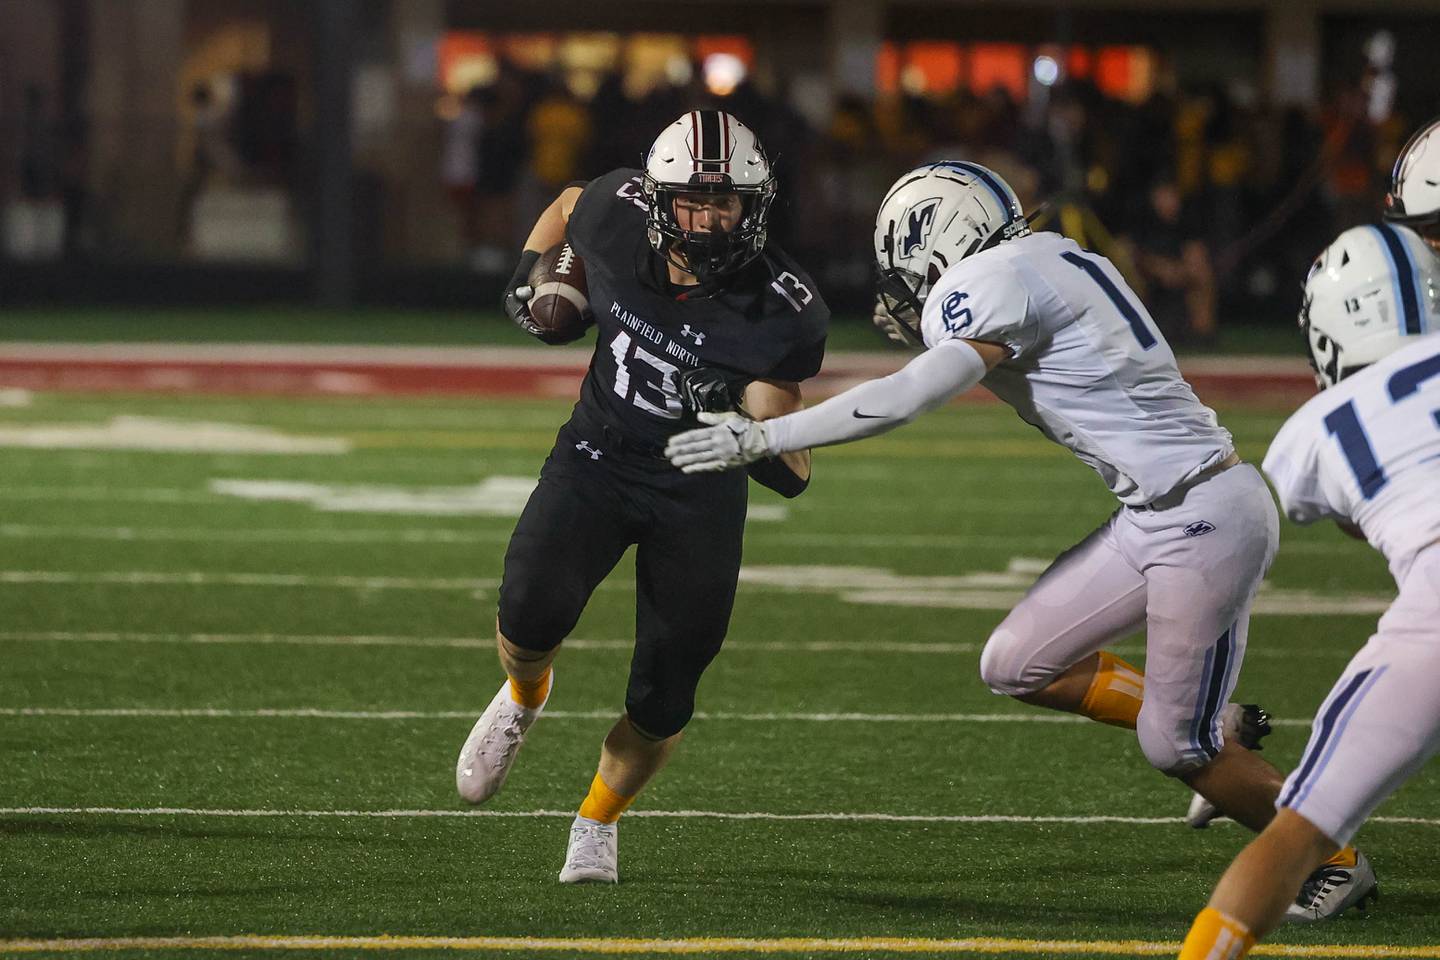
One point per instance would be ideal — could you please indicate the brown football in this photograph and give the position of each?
(560, 304)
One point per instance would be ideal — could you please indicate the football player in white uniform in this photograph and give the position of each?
(1413, 201)
(1365, 453)
(1055, 332)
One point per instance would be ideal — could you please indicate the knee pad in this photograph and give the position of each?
(1167, 745)
(1005, 668)
(531, 618)
(659, 715)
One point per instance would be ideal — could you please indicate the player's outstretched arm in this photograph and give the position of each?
(548, 231)
(948, 369)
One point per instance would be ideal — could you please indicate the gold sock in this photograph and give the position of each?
(602, 803)
(531, 694)
(1216, 936)
(1115, 694)
(1344, 858)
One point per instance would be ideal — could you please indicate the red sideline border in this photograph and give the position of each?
(359, 371)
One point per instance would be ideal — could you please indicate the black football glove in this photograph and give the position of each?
(518, 293)
(703, 390)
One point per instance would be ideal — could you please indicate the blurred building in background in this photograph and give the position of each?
(398, 150)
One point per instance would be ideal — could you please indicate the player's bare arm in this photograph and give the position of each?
(549, 230)
(768, 399)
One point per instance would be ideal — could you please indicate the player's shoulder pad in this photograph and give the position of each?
(979, 298)
(1291, 451)
(605, 219)
(791, 293)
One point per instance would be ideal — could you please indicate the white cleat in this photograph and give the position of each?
(1245, 724)
(489, 751)
(1201, 812)
(1331, 890)
(594, 853)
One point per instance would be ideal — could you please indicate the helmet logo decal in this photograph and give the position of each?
(918, 226)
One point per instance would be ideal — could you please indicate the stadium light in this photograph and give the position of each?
(723, 73)
(1047, 70)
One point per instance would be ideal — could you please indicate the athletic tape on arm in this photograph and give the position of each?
(946, 370)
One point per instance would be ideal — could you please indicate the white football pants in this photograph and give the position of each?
(1186, 569)
(1381, 721)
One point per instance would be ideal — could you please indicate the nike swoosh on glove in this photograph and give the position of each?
(730, 441)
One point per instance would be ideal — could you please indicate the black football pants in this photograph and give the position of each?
(593, 501)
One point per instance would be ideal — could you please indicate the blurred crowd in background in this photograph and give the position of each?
(1212, 201)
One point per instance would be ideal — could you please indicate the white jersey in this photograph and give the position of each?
(1088, 367)
(1367, 451)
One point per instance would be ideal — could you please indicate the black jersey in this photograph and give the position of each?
(767, 322)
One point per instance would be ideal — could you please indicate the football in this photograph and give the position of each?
(560, 304)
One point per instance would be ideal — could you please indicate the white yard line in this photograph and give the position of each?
(112, 494)
(322, 713)
(196, 578)
(874, 586)
(742, 815)
(362, 640)
(1264, 649)
(423, 535)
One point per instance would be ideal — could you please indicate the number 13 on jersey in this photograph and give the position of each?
(1345, 426)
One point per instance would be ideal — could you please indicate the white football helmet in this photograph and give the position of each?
(1414, 197)
(708, 151)
(932, 218)
(1371, 292)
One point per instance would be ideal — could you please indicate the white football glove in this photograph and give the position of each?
(731, 441)
(892, 326)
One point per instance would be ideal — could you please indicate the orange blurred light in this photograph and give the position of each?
(1126, 73)
(941, 64)
(456, 49)
(1005, 65)
(887, 68)
(732, 44)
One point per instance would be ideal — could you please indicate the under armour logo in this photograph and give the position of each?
(585, 446)
(1198, 529)
(696, 335)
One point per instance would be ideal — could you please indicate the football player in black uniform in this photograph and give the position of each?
(695, 312)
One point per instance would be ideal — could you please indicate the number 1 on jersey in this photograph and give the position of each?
(1126, 308)
(1344, 425)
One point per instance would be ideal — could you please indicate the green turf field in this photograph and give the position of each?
(292, 668)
